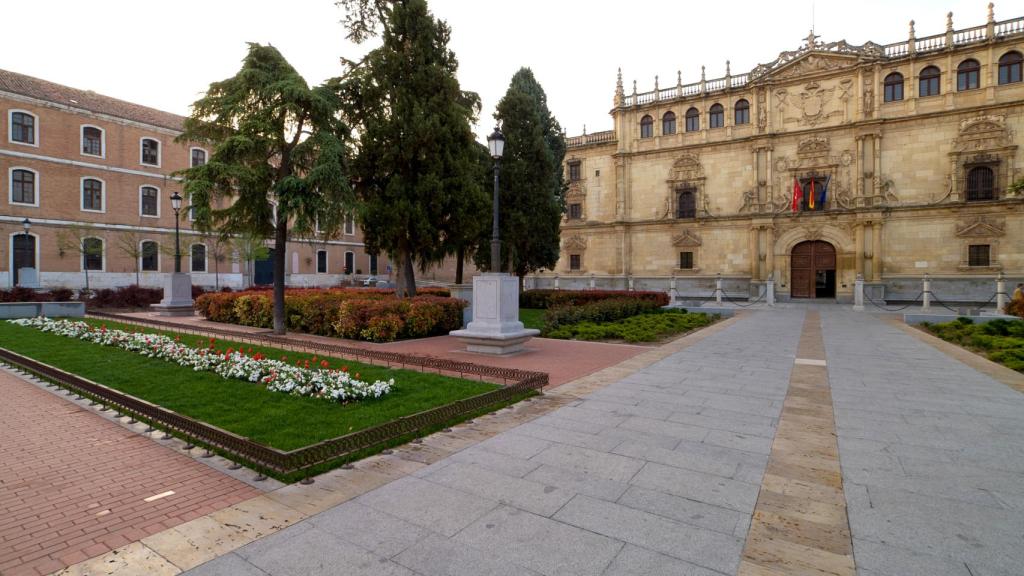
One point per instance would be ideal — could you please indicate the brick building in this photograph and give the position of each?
(93, 177)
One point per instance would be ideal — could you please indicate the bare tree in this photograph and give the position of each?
(250, 247)
(129, 243)
(219, 247)
(74, 239)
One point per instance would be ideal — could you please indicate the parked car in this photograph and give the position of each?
(370, 281)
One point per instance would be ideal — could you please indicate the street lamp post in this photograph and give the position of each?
(496, 144)
(176, 205)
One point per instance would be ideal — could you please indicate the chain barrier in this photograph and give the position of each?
(900, 309)
(748, 304)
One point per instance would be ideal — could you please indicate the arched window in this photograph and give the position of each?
(24, 187)
(1010, 67)
(149, 201)
(150, 256)
(23, 127)
(742, 112)
(92, 194)
(893, 87)
(668, 123)
(198, 157)
(692, 120)
(646, 127)
(967, 75)
(92, 254)
(929, 82)
(150, 152)
(92, 141)
(716, 116)
(321, 261)
(199, 257)
(980, 184)
(686, 203)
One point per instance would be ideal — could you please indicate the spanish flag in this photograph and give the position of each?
(811, 194)
(797, 194)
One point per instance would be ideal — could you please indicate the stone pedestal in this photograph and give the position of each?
(858, 294)
(464, 292)
(177, 296)
(495, 328)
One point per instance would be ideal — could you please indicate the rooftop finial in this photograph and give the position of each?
(949, 22)
(701, 73)
(811, 37)
(727, 71)
(991, 12)
(679, 78)
(584, 129)
(634, 87)
(619, 96)
(911, 28)
(655, 82)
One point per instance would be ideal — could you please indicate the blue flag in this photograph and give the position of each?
(824, 192)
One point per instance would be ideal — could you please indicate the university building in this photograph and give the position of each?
(831, 161)
(92, 177)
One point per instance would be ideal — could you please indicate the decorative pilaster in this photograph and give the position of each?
(876, 250)
(755, 254)
(858, 256)
(769, 249)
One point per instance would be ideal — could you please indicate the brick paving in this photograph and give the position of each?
(73, 484)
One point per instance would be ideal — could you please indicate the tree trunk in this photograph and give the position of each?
(460, 257)
(405, 278)
(216, 274)
(280, 254)
(522, 282)
(137, 281)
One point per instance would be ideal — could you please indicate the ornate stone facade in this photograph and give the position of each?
(916, 182)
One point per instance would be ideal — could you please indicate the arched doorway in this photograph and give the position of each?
(813, 270)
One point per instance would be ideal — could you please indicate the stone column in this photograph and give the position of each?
(858, 255)
(755, 255)
(858, 293)
(770, 290)
(876, 252)
(769, 250)
(926, 296)
(718, 289)
(1001, 294)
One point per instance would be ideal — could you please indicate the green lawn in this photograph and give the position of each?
(532, 317)
(272, 418)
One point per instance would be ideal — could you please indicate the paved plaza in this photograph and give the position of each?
(802, 440)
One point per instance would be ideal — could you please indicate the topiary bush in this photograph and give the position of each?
(546, 298)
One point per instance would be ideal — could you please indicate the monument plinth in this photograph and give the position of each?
(495, 328)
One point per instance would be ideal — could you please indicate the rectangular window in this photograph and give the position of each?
(92, 254)
(574, 171)
(350, 262)
(373, 264)
(198, 157)
(198, 258)
(686, 203)
(92, 195)
(894, 92)
(92, 141)
(150, 256)
(23, 187)
(350, 225)
(978, 255)
(150, 152)
(686, 260)
(23, 128)
(321, 261)
(149, 201)
(575, 211)
(575, 262)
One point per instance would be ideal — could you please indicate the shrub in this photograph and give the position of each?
(22, 294)
(597, 311)
(1016, 307)
(546, 298)
(133, 296)
(643, 328)
(1000, 340)
(61, 294)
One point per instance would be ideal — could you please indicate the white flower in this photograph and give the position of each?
(276, 375)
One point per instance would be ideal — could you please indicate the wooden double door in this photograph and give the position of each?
(813, 270)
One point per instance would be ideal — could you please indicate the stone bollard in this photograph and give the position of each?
(858, 293)
(556, 281)
(672, 294)
(926, 302)
(593, 282)
(769, 290)
(1001, 294)
(718, 289)
(630, 282)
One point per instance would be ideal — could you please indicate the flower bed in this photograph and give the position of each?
(276, 375)
(547, 298)
(374, 315)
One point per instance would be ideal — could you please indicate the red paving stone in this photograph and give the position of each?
(61, 465)
(563, 360)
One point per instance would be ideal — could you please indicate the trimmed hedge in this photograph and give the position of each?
(126, 297)
(547, 298)
(999, 340)
(373, 315)
(598, 311)
(648, 327)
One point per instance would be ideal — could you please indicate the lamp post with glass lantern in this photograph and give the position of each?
(176, 206)
(496, 145)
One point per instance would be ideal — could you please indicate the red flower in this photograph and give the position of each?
(323, 363)
(344, 368)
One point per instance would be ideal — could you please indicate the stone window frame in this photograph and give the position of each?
(893, 80)
(692, 120)
(327, 261)
(682, 260)
(993, 166)
(647, 127)
(142, 152)
(716, 116)
(968, 75)
(742, 105)
(192, 257)
(103, 195)
(993, 255)
(1010, 61)
(103, 141)
(576, 262)
(10, 186)
(575, 169)
(669, 123)
(579, 211)
(102, 255)
(142, 211)
(10, 127)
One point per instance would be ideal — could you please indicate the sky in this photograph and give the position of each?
(165, 54)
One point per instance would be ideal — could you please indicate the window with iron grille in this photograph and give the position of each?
(978, 255)
(575, 262)
(198, 258)
(686, 260)
(321, 261)
(686, 203)
(575, 211)
(574, 171)
(980, 184)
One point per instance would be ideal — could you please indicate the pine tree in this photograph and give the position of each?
(416, 159)
(278, 158)
(532, 186)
